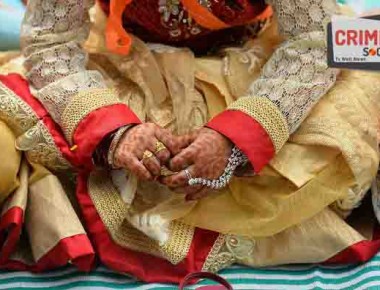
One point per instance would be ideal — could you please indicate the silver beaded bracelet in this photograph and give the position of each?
(236, 159)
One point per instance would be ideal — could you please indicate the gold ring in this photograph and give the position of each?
(147, 154)
(159, 147)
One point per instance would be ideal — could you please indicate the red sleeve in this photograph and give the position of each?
(95, 126)
(247, 134)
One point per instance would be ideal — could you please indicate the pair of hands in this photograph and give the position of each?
(204, 153)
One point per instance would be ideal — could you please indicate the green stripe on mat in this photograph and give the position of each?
(293, 277)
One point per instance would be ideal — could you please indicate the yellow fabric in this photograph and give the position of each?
(267, 204)
(10, 163)
(313, 241)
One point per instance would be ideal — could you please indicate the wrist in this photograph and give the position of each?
(114, 145)
(104, 153)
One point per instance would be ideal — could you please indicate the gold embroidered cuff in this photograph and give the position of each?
(83, 104)
(267, 114)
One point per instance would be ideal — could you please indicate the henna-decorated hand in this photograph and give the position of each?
(130, 150)
(205, 156)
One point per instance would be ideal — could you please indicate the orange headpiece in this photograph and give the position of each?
(118, 40)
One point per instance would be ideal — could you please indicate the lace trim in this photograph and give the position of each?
(48, 65)
(267, 114)
(299, 16)
(15, 112)
(56, 96)
(227, 250)
(297, 75)
(51, 37)
(41, 148)
(83, 104)
(114, 214)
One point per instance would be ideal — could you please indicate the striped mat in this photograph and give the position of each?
(296, 277)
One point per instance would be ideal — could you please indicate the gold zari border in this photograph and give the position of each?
(83, 104)
(113, 212)
(267, 114)
(213, 262)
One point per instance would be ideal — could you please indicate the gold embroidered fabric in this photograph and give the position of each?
(178, 245)
(32, 135)
(228, 249)
(15, 112)
(40, 148)
(55, 99)
(82, 104)
(117, 218)
(10, 169)
(217, 259)
(295, 177)
(265, 112)
(294, 79)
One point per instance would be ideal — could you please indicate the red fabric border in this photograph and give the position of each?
(247, 134)
(143, 266)
(10, 230)
(76, 250)
(93, 128)
(360, 252)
